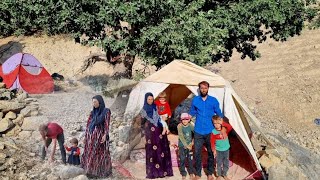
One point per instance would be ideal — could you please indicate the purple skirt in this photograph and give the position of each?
(158, 156)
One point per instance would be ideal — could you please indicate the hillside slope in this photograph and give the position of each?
(282, 88)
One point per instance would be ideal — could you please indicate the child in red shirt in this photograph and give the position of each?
(74, 157)
(164, 111)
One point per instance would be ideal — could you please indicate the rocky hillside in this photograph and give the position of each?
(282, 89)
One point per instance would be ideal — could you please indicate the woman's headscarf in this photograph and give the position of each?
(150, 111)
(98, 114)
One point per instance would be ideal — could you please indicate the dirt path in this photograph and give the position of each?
(69, 109)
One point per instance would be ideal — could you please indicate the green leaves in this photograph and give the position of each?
(201, 31)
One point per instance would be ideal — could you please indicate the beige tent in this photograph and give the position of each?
(179, 79)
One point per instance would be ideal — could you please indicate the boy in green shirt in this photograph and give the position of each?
(185, 130)
(220, 146)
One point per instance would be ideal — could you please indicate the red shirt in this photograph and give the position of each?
(54, 130)
(77, 153)
(215, 137)
(163, 108)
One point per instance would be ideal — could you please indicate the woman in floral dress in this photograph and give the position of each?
(158, 157)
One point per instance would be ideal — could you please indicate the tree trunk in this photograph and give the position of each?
(122, 65)
(124, 68)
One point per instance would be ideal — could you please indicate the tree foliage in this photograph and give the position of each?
(201, 31)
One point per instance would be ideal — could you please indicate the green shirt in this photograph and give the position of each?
(221, 144)
(185, 134)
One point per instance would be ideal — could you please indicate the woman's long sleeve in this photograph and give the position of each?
(88, 122)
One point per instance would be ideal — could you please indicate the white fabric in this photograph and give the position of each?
(136, 98)
(16, 84)
(185, 73)
(34, 70)
(230, 111)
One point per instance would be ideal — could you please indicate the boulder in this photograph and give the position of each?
(138, 156)
(67, 172)
(21, 97)
(267, 160)
(26, 111)
(1, 146)
(121, 154)
(52, 177)
(81, 177)
(19, 120)
(34, 103)
(34, 113)
(14, 132)
(3, 168)
(2, 85)
(138, 142)
(7, 95)
(1, 115)
(32, 123)
(29, 100)
(123, 133)
(22, 176)
(280, 152)
(283, 172)
(11, 115)
(2, 155)
(5, 124)
(2, 160)
(116, 85)
(13, 106)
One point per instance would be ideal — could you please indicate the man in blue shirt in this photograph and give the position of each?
(203, 107)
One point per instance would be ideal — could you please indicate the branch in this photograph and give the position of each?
(91, 60)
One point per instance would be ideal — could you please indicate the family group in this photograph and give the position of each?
(203, 126)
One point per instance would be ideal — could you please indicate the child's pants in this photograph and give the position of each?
(164, 124)
(183, 155)
(60, 139)
(222, 162)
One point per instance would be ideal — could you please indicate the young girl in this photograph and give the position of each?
(164, 111)
(75, 152)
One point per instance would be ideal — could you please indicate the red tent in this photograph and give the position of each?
(24, 71)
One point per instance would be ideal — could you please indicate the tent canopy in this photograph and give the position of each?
(179, 79)
(24, 71)
(185, 73)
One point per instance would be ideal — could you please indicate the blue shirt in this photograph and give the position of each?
(203, 111)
